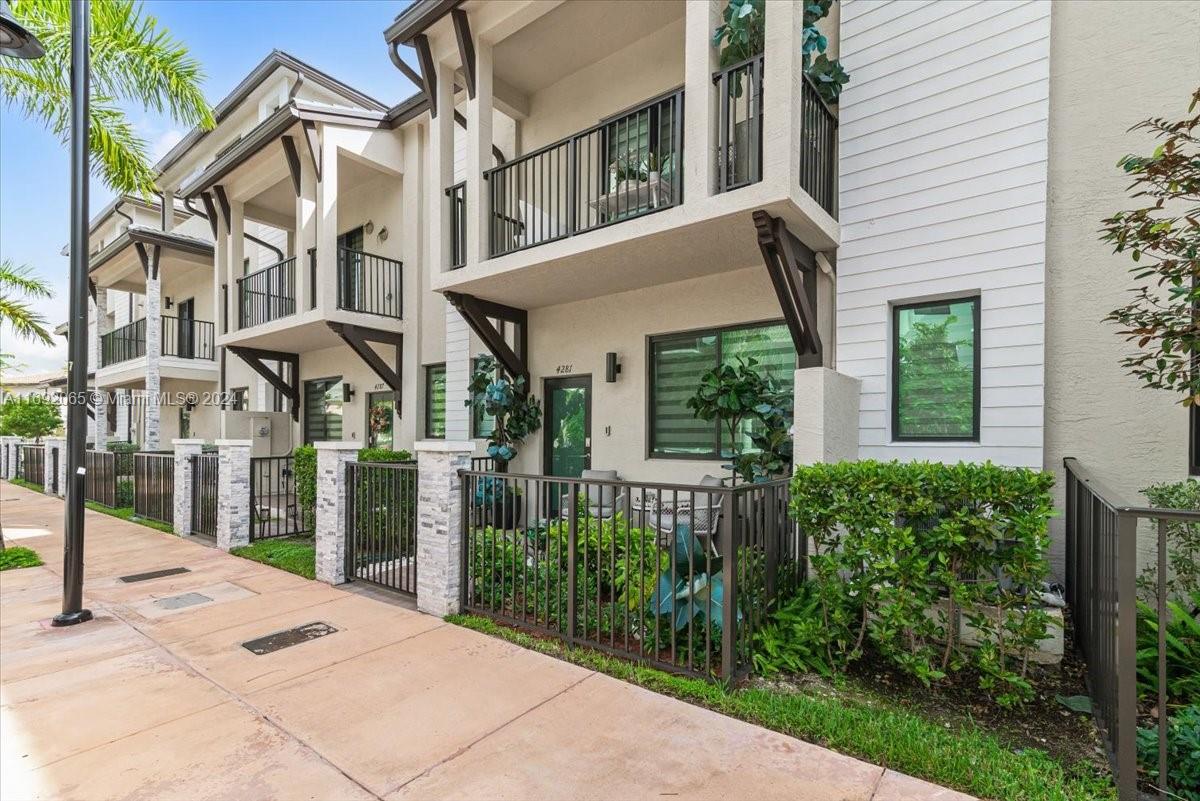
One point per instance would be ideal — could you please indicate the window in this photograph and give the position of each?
(238, 397)
(323, 410)
(678, 361)
(935, 370)
(482, 423)
(435, 401)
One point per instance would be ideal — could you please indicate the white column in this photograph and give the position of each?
(185, 449)
(458, 374)
(99, 324)
(332, 504)
(10, 445)
(700, 98)
(154, 325)
(56, 464)
(233, 493)
(236, 247)
(825, 417)
(441, 171)
(168, 209)
(327, 223)
(439, 524)
(479, 154)
(783, 67)
(305, 235)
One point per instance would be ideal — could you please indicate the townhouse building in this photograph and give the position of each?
(583, 191)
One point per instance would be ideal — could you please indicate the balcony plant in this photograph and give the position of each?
(517, 414)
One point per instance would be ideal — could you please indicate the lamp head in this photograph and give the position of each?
(15, 40)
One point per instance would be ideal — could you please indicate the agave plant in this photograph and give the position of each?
(694, 589)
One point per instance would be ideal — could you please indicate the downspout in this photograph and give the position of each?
(117, 211)
(187, 204)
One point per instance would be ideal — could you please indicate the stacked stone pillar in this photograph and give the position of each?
(8, 446)
(185, 449)
(233, 493)
(439, 524)
(101, 412)
(56, 460)
(332, 505)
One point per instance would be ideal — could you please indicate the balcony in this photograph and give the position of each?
(267, 294)
(370, 284)
(624, 168)
(181, 339)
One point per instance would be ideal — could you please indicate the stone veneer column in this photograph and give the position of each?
(153, 359)
(185, 449)
(439, 524)
(99, 323)
(57, 487)
(330, 523)
(233, 493)
(10, 445)
(825, 417)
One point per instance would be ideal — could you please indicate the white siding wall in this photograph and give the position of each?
(943, 132)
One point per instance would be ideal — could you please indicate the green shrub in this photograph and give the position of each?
(1183, 753)
(14, 557)
(304, 470)
(1183, 651)
(1183, 543)
(122, 460)
(793, 640)
(383, 455)
(893, 541)
(124, 492)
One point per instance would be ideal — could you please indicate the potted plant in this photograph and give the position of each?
(499, 502)
(517, 414)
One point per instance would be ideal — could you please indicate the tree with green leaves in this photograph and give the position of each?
(133, 61)
(750, 406)
(1163, 240)
(17, 285)
(33, 417)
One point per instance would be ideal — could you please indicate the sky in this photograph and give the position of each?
(343, 38)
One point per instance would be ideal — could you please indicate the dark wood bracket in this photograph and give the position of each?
(466, 47)
(149, 259)
(359, 338)
(477, 313)
(428, 71)
(211, 209)
(293, 161)
(793, 271)
(223, 204)
(256, 358)
(314, 144)
(92, 289)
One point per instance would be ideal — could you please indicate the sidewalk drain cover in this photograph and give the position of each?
(153, 574)
(284, 639)
(182, 601)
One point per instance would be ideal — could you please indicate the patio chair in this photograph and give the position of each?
(699, 511)
(603, 501)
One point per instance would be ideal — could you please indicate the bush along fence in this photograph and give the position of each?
(1139, 635)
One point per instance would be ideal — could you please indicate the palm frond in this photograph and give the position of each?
(22, 279)
(25, 322)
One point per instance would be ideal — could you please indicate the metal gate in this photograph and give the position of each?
(32, 466)
(204, 494)
(100, 477)
(154, 486)
(274, 511)
(381, 525)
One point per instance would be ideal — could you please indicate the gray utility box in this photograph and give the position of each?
(270, 433)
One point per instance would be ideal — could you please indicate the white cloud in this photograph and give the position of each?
(163, 143)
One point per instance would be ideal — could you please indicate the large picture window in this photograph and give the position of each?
(435, 401)
(678, 361)
(935, 370)
(323, 410)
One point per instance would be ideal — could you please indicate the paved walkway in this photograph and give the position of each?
(148, 702)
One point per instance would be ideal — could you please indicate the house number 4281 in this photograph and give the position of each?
(564, 369)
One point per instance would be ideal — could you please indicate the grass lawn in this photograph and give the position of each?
(15, 557)
(126, 513)
(29, 485)
(294, 554)
(963, 757)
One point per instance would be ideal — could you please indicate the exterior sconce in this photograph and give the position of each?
(369, 227)
(383, 234)
(167, 302)
(347, 392)
(611, 368)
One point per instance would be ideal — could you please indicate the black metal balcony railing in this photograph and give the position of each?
(739, 128)
(623, 168)
(124, 343)
(267, 294)
(369, 283)
(818, 149)
(458, 224)
(187, 339)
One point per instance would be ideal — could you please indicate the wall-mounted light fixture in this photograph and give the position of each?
(383, 234)
(167, 302)
(347, 392)
(611, 368)
(369, 227)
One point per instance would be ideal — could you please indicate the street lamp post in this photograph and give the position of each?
(17, 42)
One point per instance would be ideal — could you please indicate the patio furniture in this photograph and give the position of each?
(696, 512)
(603, 501)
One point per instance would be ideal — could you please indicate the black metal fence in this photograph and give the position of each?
(32, 466)
(739, 129)
(100, 477)
(1102, 579)
(818, 149)
(267, 294)
(370, 284)
(188, 339)
(154, 486)
(124, 343)
(204, 494)
(623, 168)
(458, 224)
(274, 511)
(678, 576)
(381, 524)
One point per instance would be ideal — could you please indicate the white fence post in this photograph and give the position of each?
(185, 449)
(439, 524)
(56, 463)
(233, 493)
(332, 503)
(11, 444)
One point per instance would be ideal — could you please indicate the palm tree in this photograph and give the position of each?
(16, 284)
(133, 60)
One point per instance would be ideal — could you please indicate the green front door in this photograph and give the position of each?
(568, 431)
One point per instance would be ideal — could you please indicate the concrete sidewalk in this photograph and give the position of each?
(154, 702)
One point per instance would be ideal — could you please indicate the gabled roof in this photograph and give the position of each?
(416, 18)
(273, 61)
(150, 236)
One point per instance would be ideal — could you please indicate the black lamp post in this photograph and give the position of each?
(16, 41)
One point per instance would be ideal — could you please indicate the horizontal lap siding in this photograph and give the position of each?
(942, 136)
